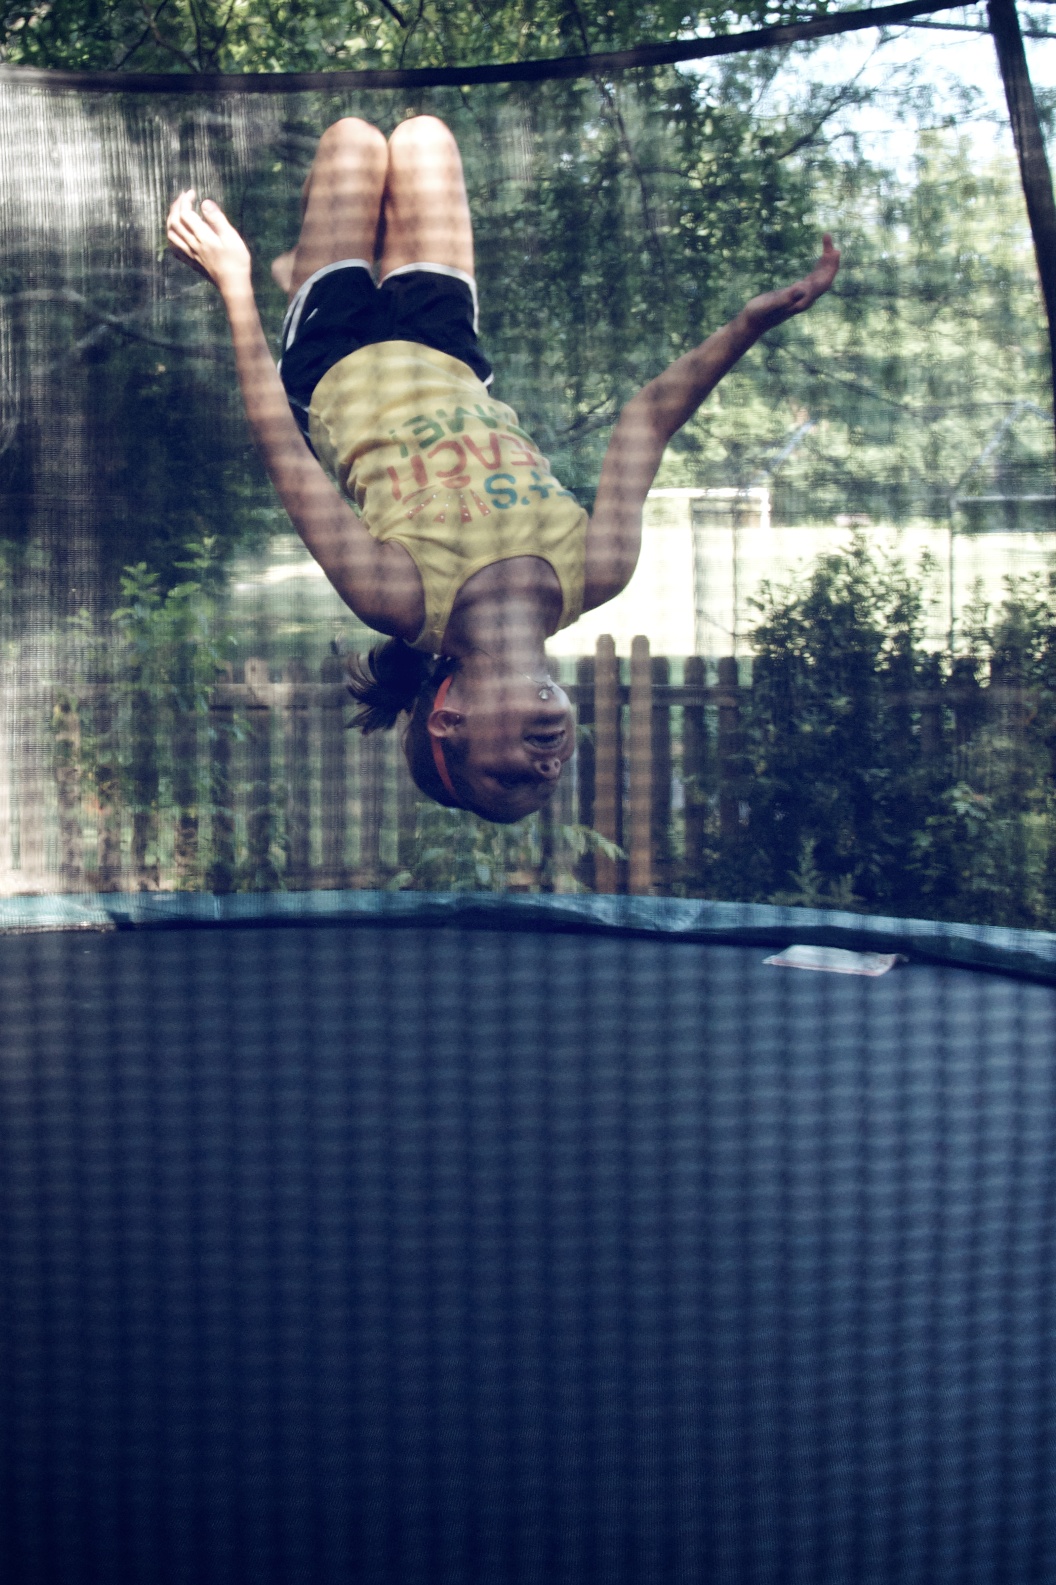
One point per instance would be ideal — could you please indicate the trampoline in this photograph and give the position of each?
(614, 1253)
(417, 1238)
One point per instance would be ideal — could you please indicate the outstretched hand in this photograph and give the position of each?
(208, 242)
(773, 308)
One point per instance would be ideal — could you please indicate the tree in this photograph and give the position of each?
(617, 223)
(894, 780)
(314, 35)
(933, 334)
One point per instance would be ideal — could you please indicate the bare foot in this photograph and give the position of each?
(282, 267)
(282, 270)
(773, 308)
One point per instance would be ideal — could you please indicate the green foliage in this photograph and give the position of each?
(153, 665)
(637, 220)
(195, 35)
(314, 35)
(884, 777)
(934, 333)
(168, 640)
(456, 852)
(617, 223)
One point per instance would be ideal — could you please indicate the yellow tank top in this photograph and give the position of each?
(432, 461)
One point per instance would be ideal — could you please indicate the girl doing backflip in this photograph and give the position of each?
(464, 548)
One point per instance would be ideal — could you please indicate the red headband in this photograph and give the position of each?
(438, 744)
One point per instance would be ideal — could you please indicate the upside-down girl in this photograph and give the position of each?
(446, 530)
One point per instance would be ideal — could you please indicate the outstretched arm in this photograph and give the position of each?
(658, 412)
(381, 587)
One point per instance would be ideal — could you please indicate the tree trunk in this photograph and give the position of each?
(1030, 148)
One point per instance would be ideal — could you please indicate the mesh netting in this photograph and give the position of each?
(356, 1228)
(824, 581)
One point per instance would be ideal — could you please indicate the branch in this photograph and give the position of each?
(857, 386)
(842, 97)
(142, 39)
(410, 32)
(580, 428)
(158, 37)
(199, 52)
(609, 98)
(65, 294)
(520, 71)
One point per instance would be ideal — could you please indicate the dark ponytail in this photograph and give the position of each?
(386, 683)
(393, 680)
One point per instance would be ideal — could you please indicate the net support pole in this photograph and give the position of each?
(1030, 150)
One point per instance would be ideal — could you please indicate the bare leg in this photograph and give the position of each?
(342, 202)
(282, 267)
(426, 217)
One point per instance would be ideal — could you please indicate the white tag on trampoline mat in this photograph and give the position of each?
(836, 960)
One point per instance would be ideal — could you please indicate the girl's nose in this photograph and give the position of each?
(549, 768)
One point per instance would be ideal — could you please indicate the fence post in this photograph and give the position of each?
(297, 764)
(729, 745)
(406, 813)
(144, 724)
(371, 773)
(221, 873)
(333, 778)
(1013, 713)
(694, 774)
(185, 789)
(640, 754)
(547, 844)
(1049, 739)
(661, 781)
(66, 730)
(107, 790)
(559, 814)
(258, 777)
(30, 756)
(606, 758)
(7, 830)
(585, 761)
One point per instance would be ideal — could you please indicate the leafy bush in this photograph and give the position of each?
(886, 777)
(457, 852)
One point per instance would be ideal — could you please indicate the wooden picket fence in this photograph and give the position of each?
(265, 788)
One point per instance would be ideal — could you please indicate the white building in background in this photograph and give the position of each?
(706, 554)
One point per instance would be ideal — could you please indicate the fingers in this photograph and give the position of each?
(180, 226)
(187, 224)
(819, 280)
(829, 262)
(214, 215)
(187, 235)
(182, 205)
(186, 215)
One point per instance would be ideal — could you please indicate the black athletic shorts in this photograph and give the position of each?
(339, 309)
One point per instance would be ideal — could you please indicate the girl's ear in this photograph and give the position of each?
(444, 723)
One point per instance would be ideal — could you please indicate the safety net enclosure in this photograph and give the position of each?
(844, 590)
(662, 1188)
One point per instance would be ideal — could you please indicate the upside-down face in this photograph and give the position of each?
(505, 745)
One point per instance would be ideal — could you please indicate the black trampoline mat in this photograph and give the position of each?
(436, 1254)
